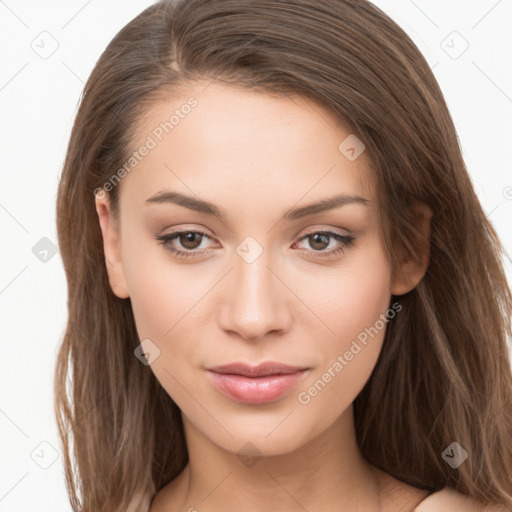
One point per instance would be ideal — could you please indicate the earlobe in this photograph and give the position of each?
(410, 271)
(112, 247)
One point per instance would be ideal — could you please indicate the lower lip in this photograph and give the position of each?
(255, 390)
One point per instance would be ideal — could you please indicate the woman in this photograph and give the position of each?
(283, 291)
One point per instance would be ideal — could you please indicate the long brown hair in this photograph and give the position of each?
(444, 373)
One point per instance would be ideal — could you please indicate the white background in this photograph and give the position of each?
(38, 98)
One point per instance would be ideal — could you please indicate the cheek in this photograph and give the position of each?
(169, 305)
(166, 305)
(162, 293)
(353, 308)
(354, 295)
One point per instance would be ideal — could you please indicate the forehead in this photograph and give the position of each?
(216, 140)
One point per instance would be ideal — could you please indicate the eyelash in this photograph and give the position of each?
(345, 240)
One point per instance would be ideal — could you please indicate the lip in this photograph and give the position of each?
(264, 383)
(260, 370)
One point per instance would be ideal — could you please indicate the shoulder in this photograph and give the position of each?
(166, 499)
(450, 500)
(171, 496)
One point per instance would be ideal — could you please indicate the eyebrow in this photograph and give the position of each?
(207, 208)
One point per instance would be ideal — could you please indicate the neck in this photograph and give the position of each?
(328, 474)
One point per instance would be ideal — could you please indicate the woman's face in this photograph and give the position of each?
(271, 279)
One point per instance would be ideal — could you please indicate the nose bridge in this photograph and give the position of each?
(256, 303)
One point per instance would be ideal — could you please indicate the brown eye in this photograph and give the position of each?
(185, 244)
(319, 242)
(190, 239)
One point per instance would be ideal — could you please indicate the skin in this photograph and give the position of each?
(255, 156)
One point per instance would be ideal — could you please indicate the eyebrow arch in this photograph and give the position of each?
(207, 208)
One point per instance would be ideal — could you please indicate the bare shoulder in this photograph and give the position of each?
(397, 495)
(169, 497)
(450, 500)
(162, 500)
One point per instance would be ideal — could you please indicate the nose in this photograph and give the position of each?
(256, 300)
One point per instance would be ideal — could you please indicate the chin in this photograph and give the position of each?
(248, 439)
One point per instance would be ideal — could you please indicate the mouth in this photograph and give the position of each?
(260, 370)
(260, 384)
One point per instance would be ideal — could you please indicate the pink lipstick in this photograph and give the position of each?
(261, 384)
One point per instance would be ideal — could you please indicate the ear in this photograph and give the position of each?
(112, 246)
(408, 272)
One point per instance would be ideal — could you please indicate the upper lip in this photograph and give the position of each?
(263, 369)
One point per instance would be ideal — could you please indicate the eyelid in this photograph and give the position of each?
(324, 230)
(195, 227)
